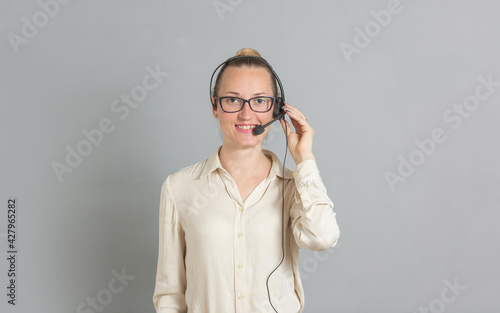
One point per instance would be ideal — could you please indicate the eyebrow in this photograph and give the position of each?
(255, 94)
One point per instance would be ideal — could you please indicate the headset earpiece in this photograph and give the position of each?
(214, 102)
(278, 107)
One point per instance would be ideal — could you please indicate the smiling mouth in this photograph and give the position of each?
(246, 126)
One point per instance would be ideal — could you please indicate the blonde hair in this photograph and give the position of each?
(248, 51)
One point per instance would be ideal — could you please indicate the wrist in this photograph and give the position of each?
(303, 157)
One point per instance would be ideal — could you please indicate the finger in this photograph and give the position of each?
(286, 127)
(294, 110)
(297, 120)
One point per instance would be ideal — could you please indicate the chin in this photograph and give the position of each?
(247, 142)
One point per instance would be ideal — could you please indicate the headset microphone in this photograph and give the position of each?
(259, 129)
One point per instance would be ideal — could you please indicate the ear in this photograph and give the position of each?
(214, 110)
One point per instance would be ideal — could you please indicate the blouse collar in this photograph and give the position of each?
(213, 163)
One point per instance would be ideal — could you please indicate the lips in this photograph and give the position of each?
(245, 126)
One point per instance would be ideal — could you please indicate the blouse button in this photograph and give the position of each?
(240, 234)
(241, 297)
(240, 266)
(241, 208)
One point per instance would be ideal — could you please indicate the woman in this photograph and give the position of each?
(221, 219)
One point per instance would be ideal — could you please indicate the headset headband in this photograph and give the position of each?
(281, 90)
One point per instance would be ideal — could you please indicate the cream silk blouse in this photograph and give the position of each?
(217, 251)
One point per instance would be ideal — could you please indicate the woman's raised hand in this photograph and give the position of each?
(300, 141)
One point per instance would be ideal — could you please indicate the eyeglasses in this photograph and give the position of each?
(235, 104)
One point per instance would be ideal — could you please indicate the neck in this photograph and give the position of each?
(243, 162)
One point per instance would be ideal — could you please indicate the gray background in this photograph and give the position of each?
(398, 248)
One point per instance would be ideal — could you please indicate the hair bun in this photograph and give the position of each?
(248, 51)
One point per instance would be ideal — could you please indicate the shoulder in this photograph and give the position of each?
(184, 177)
(189, 176)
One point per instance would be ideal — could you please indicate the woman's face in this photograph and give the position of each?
(246, 83)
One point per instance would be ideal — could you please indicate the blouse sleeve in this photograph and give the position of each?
(170, 286)
(314, 224)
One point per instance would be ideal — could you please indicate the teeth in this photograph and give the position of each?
(245, 127)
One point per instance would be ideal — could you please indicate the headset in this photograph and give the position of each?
(278, 113)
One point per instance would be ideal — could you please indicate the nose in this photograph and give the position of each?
(246, 112)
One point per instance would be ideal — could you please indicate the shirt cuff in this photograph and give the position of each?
(306, 170)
